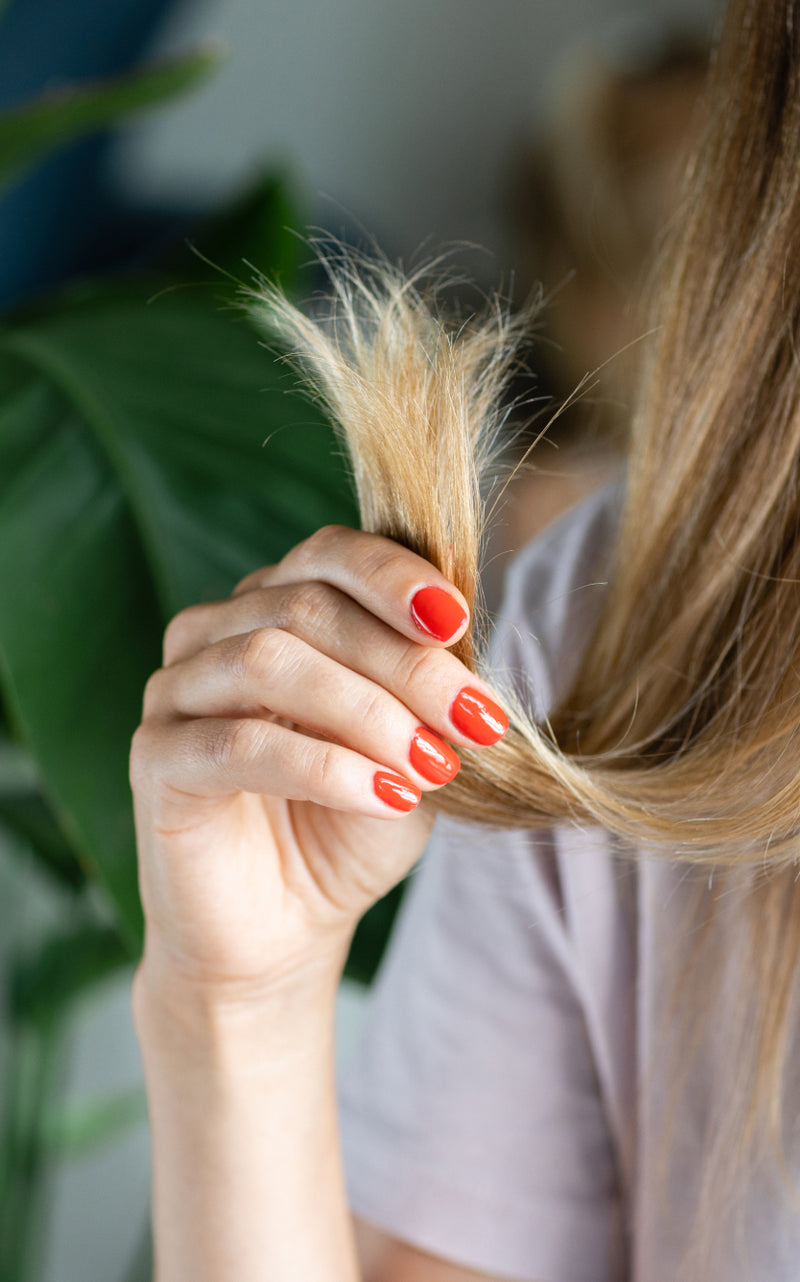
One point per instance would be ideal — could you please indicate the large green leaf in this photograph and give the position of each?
(135, 480)
(78, 620)
(46, 981)
(256, 230)
(58, 116)
(81, 1126)
(29, 820)
(26, 817)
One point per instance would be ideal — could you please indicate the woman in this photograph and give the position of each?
(581, 1058)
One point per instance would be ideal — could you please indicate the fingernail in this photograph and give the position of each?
(437, 613)
(432, 758)
(396, 791)
(478, 717)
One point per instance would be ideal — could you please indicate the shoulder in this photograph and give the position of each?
(554, 589)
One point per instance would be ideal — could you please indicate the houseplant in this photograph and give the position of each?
(152, 452)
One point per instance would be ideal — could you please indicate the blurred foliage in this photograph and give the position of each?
(58, 116)
(150, 458)
(135, 483)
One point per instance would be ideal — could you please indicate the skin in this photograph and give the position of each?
(261, 843)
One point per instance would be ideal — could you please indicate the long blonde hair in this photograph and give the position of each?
(678, 731)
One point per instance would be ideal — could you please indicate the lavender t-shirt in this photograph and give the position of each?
(503, 1104)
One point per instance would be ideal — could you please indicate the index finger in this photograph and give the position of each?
(396, 585)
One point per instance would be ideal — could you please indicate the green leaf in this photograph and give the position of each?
(26, 817)
(29, 820)
(372, 935)
(18, 774)
(30, 1079)
(255, 231)
(58, 116)
(135, 482)
(81, 1126)
(61, 969)
(78, 622)
(140, 1267)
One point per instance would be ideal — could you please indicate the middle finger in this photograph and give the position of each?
(429, 680)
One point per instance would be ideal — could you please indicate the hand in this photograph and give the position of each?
(283, 750)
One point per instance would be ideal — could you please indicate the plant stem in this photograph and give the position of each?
(33, 1063)
(140, 1268)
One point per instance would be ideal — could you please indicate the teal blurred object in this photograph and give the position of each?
(66, 217)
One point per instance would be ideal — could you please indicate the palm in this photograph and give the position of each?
(258, 878)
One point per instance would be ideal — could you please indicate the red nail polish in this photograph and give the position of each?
(478, 717)
(396, 791)
(432, 758)
(437, 613)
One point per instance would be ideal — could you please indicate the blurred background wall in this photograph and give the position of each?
(401, 115)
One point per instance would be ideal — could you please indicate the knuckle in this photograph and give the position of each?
(372, 709)
(326, 536)
(309, 607)
(260, 653)
(421, 669)
(322, 769)
(142, 755)
(253, 579)
(382, 563)
(317, 547)
(152, 694)
(234, 744)
(179, 632)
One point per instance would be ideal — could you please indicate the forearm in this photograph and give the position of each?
(247, 1175)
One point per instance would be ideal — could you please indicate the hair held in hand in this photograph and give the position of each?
(679, 732)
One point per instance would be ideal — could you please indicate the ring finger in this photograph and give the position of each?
(270, 673)
(427, 679)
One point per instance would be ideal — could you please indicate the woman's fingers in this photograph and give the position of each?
(429, 681)
(394, 584)
(214, 756)
(271, 673)
(345, 640)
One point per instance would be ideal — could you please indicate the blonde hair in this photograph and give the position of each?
(678, 732)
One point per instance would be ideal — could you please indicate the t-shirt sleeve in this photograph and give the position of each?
(472, 1121)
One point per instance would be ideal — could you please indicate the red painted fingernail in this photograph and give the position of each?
(432, 758)
(396, 791)
(478, 717)
(437, 613)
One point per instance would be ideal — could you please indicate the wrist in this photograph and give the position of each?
(176, 1010)
(247, 1169)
